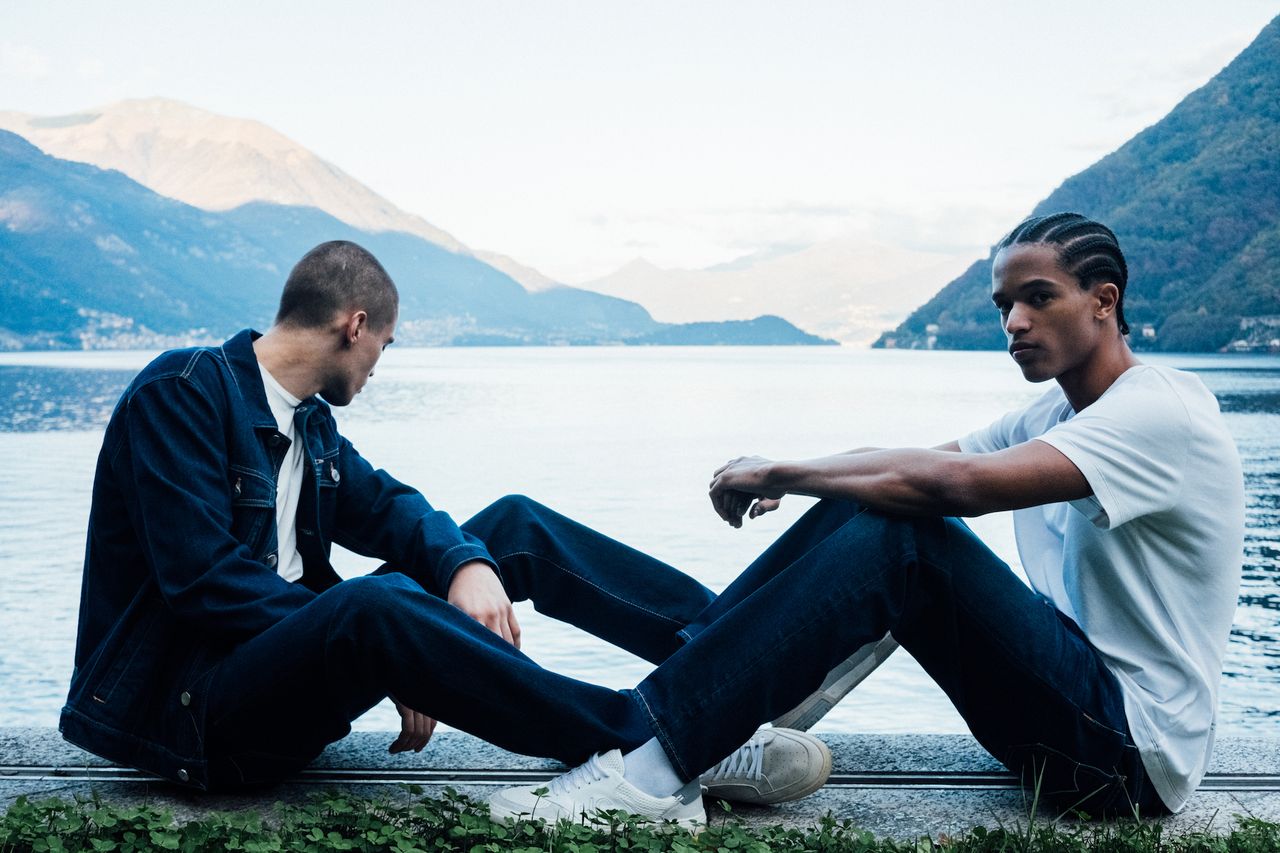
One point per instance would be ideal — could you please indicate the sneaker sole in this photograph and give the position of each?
(503, 811)
(848, 675)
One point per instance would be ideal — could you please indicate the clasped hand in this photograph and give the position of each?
(739, 487)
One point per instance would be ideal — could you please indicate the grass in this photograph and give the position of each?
(453, 822)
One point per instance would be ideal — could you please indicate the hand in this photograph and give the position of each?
(477, 592)
(764, 505)
(416, 729)
(737, 483)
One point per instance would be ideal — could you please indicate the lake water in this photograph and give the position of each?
(623, 439)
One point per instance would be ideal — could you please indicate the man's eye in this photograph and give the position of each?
(1039, 298)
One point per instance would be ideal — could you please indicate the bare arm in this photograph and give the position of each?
(909, 481)
(763, 505)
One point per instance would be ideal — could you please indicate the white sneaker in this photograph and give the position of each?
(596, 785)
(775, 766)
(839, 681)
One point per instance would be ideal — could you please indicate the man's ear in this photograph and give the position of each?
(357, 323)
(1107, 296)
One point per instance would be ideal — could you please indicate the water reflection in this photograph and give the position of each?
(40, 399)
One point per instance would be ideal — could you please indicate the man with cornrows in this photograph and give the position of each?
(1097, 684)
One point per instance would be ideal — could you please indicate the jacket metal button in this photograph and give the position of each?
(271, 560)
(183, 775)
(276, 439)
(185, 698)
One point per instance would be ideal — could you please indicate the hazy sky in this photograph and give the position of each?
(575, 136)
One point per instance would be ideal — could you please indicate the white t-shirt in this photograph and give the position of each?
(289, 484)
(1149, 566)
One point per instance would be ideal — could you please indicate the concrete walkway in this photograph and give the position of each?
(901, 786)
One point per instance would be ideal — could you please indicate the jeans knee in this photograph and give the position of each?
(833, 512)
(506, 513)
(370, 600)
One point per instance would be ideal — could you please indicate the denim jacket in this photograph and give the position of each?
(180, 564)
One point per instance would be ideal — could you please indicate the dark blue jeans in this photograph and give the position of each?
(1031, 688)
(279, 698)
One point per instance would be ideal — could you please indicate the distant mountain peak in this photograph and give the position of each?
(90, 258)
(848, 289)
(638, 265)
(215, 162)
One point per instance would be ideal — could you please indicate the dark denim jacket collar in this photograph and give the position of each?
(242, 361)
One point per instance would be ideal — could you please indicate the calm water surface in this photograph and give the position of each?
(624, 440)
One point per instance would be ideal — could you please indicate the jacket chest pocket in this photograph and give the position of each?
(328, 479)
(253, 504)
(327, 474)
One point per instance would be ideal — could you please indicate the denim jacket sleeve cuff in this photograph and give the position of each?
(457, 557)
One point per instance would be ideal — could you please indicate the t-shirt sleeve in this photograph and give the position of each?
(1131, 447)
(996, 436)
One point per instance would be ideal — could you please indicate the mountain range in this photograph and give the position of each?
(91, 258)
(214, 162)
(846, 289)
(1195, 202)
(849, 289)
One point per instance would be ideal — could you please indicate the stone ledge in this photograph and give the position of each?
(900, 786)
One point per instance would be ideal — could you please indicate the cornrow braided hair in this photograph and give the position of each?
(1086, 249)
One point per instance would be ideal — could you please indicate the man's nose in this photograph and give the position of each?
(1017, 321)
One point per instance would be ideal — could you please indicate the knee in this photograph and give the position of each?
(830, 514)
(505, 515)
(377, 597)
(836, 511)
(366, 621)
(516, 505)
(508, 507)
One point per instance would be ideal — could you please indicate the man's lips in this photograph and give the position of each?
(1021, 348)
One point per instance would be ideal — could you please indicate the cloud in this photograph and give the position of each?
(1152, 89)
(23, 62)
(112, 244)
(90, 68)
(21, 214)
(1195, 70)
(718, 235)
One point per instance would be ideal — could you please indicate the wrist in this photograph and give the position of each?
(774, 478)
(469, 569)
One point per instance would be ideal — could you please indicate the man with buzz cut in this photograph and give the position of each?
(1097, 685)
(217, 647)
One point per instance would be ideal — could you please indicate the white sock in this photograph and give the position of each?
(648, 768)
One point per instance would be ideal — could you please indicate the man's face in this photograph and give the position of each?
(1051, 323)
(355, 363)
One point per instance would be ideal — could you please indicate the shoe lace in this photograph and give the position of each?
(578, 777)
(746, 760)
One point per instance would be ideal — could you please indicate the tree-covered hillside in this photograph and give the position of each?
(1195, 202)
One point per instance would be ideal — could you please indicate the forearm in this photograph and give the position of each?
(906, 481)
